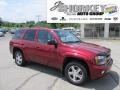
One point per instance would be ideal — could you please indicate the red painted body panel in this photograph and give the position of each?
(54, 57)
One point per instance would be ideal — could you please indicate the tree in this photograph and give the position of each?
(53, 25)
(30, 23)
(1, 22)
(38, 24)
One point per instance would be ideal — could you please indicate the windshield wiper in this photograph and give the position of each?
(72, 42)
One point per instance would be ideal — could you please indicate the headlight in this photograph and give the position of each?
(100, 60)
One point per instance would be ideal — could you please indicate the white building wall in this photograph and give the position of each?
(82, 28)
(106, 30)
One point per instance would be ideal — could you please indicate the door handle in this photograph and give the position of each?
(21, 44)
(39, 48)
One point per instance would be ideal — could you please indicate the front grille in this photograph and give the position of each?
(108, 57)
(109, 62)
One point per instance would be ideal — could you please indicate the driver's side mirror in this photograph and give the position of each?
(53, 42)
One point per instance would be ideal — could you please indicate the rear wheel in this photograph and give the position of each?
(75, 73)
(19, 58)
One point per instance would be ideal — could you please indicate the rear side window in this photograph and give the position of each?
(29, 35)
(18, 34)
(44, 36)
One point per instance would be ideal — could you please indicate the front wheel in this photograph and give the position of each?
(75, 73)
(19, 58)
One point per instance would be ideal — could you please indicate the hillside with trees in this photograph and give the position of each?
(32, 24)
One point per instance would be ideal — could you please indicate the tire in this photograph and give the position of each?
(76, 73)
(19, 58)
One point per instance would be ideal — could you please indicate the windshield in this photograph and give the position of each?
(67, 36)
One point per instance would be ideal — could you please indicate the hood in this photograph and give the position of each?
(90, 47)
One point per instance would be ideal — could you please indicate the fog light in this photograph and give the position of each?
(102, 72)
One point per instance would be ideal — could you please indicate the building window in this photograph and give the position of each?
(114, 30)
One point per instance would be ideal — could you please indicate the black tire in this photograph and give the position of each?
(21, 61)
(82, 71)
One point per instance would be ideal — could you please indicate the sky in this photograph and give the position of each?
(23, 10)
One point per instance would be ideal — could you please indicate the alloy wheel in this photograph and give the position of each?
(75, 73)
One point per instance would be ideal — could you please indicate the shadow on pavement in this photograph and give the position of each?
(45, 69)
(108, 82)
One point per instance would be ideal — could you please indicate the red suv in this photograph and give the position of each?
(61, 49)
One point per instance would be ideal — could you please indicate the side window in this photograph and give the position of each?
(30, 35)
(44, 36)
(18, 34)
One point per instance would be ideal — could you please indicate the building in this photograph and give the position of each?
(100, 30)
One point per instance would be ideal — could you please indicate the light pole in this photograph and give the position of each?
(38, 17)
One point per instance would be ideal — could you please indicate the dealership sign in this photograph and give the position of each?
(83, 11)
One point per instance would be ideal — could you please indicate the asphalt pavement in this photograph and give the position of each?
(39, 77)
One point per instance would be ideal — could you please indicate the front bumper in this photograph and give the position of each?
(99, 71)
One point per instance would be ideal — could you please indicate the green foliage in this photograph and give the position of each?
(1, 22)
(31, 24)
